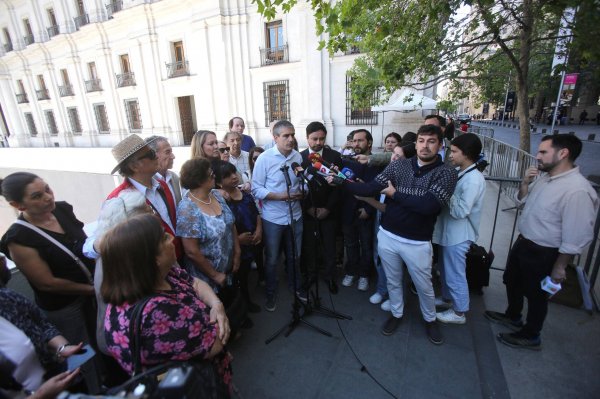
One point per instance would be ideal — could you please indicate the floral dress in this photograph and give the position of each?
(175, 326)
(213, 233)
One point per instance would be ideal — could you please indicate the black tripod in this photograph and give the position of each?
(296, 305)
(316, 305)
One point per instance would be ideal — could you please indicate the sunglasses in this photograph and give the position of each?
(222, 150)
(151, 155)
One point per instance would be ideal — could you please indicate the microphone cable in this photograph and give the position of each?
(363, 368)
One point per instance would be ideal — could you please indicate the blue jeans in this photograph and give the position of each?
(452, 268)
(272, 235)
(358, 241)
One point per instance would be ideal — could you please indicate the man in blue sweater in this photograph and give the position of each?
(417, 190)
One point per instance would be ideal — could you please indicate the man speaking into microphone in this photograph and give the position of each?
(270, 178)
(320, 208)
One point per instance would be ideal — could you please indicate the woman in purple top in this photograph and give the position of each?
(183, 320)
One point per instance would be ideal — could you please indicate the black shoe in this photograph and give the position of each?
(253, 307)
(271, 304)
(247, 324)
(391, 325)
(501, 318)
(333, 287)
(518, 340)
(433, 332)
(302, 295)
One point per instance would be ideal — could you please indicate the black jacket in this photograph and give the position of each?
(323, 195)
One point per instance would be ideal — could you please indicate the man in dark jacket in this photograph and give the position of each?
(320, 209)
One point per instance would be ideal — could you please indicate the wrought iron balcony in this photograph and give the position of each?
(81, 20)
(125, 79)
(52, 31)
(8, 47)
(179, 68)
(274, 55)
(66, 90)
(93, 85)
(22, 98)
(113, 7)
(42, 94)
(28, 40)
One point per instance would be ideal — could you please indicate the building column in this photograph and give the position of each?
(12, 113)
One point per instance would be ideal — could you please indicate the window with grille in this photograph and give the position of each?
(134, 120)
(356, 115)
(74, 120)
(52, 128)
(101, 118)
(277, 101)
(30, 124)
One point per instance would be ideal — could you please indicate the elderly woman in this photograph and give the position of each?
(205, 145)
(207, 226)
(62, 282)
(391, 141)
(181, 318)
(224, 151)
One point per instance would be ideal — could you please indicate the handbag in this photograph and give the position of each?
(478, 262)
(195, 378)
(48, 237)
(234, 303)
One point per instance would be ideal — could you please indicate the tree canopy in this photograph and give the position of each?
(408, 43)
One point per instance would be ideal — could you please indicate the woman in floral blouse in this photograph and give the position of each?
(183, 319)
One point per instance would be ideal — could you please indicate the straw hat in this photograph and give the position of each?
(127, 147)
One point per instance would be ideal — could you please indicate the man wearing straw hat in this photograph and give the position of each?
(138, 164)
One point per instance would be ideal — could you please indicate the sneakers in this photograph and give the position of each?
(433, 332)
(441, 303)
(501, 318)
(390, 325)
(301, 295)
(376, 298)
(363, 284)
(270, 305)
(518, 340)
(348, 280)
(449, 317)
(386, 306)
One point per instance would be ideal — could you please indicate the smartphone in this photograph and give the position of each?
(80, 358)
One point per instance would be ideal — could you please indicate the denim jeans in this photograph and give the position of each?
(417, 256)
(452, 266)
(358, 241)
(273, 234)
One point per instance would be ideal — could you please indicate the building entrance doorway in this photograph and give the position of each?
(187, 118)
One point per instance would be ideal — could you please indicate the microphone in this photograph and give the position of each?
(319, 166)
(284, 168)
(348, 173)
(300, 172)
(316, 157)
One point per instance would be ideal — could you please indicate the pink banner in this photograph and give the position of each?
(571, 78)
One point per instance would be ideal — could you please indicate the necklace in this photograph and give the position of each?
(199, 200)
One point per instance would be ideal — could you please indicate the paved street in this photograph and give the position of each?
(588, 161)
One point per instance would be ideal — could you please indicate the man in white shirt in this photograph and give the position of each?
(165, 156)
(269, 185)
(237, 157)
(556, 224)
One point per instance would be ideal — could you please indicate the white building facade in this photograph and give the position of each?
(87, 73)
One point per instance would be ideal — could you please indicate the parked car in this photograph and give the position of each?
(463, 117)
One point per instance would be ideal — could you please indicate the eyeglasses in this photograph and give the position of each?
(223, 149)
(151, 155)
(211, 173)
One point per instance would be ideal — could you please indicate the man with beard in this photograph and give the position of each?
(320, 209)
(556, 224)
(417, 189)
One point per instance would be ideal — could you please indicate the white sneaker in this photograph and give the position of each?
(376, 298)
(386, 306)
(363, 284)
(348, 280)
(449, 317)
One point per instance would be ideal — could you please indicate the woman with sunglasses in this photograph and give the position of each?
(224, 151)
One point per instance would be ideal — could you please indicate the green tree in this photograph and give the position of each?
(447, 106)
(408, 43)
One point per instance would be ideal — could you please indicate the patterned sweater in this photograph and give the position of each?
(421, 192)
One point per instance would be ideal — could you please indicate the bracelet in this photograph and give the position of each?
(61, 349)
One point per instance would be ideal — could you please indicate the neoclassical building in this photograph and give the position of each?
(86, 73)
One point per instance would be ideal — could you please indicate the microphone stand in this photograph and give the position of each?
(296, 317)
(317, 307)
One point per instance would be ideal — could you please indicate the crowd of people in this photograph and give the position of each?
(174, 251)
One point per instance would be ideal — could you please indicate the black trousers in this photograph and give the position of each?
(314, 251)
(528, 264)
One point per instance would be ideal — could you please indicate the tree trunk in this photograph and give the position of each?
(526, 30)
